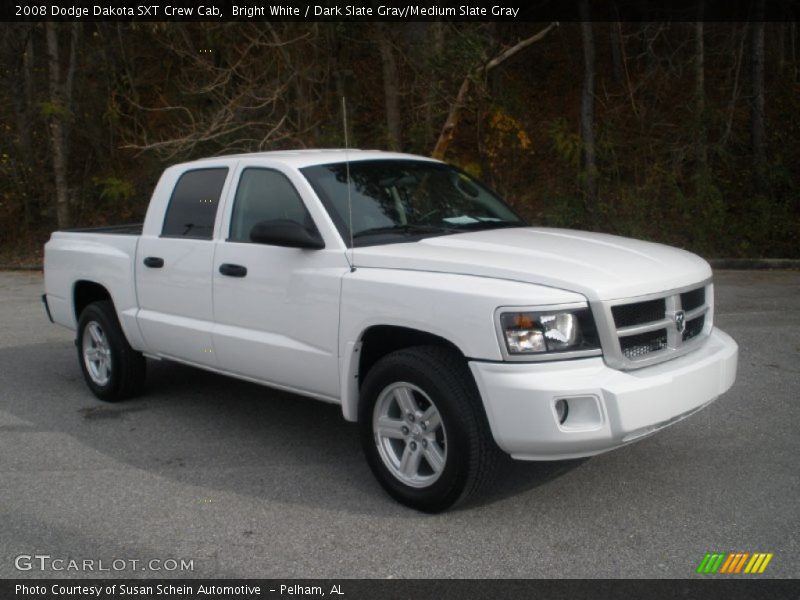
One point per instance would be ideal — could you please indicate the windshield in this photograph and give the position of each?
(405, 200)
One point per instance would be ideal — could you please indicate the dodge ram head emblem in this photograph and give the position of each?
(680, 321)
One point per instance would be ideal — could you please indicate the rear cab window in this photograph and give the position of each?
(193, 205)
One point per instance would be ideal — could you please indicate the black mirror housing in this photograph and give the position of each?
(287, 233)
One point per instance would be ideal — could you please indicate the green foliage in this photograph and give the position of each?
(568, 211)
(332, 136)
(705, 213)
(113, 190)
(565, 141)
(52, 109)
(472, 168)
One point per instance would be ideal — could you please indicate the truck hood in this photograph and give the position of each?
(596, 265)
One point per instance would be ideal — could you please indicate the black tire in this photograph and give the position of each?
(471, 452)
(126, 375)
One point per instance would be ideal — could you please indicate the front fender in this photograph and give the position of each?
(458, 308)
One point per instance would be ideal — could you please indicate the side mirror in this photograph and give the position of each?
(283, 232)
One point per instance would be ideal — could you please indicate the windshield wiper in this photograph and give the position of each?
(489, 224)
(404, 229)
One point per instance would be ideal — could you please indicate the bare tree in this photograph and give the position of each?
(615, 38)
(699, 93)
(793, 48)
(735, 90)
(587, 108)
(18, 54)
(300, 76)
(60, 107)
(757, 116)
(456, 108)
(433, 58)
(391, 86)
(239, 97)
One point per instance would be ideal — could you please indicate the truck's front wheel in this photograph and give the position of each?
(112, 369)
(423, 428)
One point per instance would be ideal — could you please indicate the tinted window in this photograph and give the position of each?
(395, 200)
(264, 195)
(193, 206)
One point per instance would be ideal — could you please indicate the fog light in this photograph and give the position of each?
(562, 410)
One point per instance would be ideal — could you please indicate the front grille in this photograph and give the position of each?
(693, 299)
(654, 329)
(694, 328)
(626, 315)
(638, 346)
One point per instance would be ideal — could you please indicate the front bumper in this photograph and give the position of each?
(607, 408)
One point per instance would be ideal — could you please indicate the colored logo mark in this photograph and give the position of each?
(734, 562)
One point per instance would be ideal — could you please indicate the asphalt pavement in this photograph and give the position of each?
(242, 481)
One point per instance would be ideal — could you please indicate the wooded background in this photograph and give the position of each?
(685, 133)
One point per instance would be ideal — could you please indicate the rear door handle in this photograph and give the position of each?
(154, 262)
(232, 270)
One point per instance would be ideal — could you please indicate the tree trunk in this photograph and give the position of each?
(28, 102)
(301, 108)
(453, 119)
(699, 95)
(60, 113)
(616, 50)
(24, 111)
(735, 92)
(57, 129)
(436, 36)
(391, 89)
(69, 79)
(587, 109)
(757, 116)
(781, 46)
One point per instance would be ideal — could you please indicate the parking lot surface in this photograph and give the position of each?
(244, 481)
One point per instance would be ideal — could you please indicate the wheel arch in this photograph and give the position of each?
(375, 342)
(87, 291)
(84, 292)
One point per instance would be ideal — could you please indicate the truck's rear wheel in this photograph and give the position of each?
(423, 428)
(112, 369)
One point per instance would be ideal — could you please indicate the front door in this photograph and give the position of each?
(276, 309)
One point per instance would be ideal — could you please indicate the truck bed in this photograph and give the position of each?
(102, 255)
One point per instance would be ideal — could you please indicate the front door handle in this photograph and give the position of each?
(232, 270)
(154, 262)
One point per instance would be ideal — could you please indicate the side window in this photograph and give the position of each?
(193, 205)
(264, 195)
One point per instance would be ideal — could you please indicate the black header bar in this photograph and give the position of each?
(397, 10)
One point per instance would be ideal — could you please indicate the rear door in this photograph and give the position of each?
(173, 268)
(277, 310)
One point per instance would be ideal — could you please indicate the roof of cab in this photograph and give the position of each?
(305, 158)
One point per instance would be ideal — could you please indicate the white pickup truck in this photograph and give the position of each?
(406, 291)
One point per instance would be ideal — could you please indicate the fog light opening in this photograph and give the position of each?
(562, 410)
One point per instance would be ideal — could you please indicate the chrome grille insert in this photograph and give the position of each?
(642, 344)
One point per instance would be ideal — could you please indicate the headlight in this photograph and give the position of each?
(533, 332)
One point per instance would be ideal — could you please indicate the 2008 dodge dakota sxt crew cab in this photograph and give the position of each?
(406, 291)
